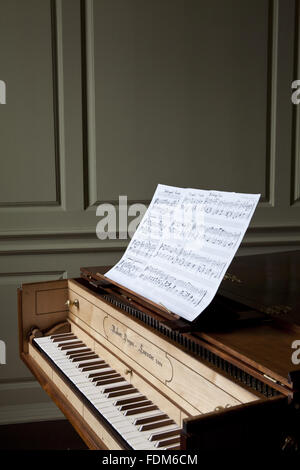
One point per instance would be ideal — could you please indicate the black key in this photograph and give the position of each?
(84, 364)
(70, 342)
(130, 406)
(111, 375)
(57, 335)
(96, 365)
(86, 358)
(160, 424)
(167, 442)
(117, 388)
(129, 400)
(109, 381)
(121, 392)
(101, 375)
(150, 419)
(136, 411)
(79, 357)
(69, 346)
(58, 339)
(77, 353)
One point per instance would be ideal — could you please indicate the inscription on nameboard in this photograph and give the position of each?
(137, 347)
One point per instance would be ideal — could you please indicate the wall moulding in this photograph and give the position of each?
(268, 200)
(91, 197)
(59, 156)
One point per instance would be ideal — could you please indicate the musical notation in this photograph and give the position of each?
(170, 284)
(153, 227)
(217, 236)
(191, 261)
(217, 204)
(129, 267)
(184, 245)
(142, 248)
(166, 200)
(230, 208)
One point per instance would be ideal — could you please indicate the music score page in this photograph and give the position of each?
(183, 247)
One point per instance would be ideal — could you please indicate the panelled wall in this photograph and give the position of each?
(110, 97)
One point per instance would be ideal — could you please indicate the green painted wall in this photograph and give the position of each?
(111, 97)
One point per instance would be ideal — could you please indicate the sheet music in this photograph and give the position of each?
(183, 247)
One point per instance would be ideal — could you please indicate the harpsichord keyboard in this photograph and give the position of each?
(138, 420)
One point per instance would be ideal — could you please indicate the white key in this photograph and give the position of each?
(144, 446)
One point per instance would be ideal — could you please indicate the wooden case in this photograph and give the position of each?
(230, 388)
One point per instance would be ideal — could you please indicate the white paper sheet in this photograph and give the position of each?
(183, 247)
